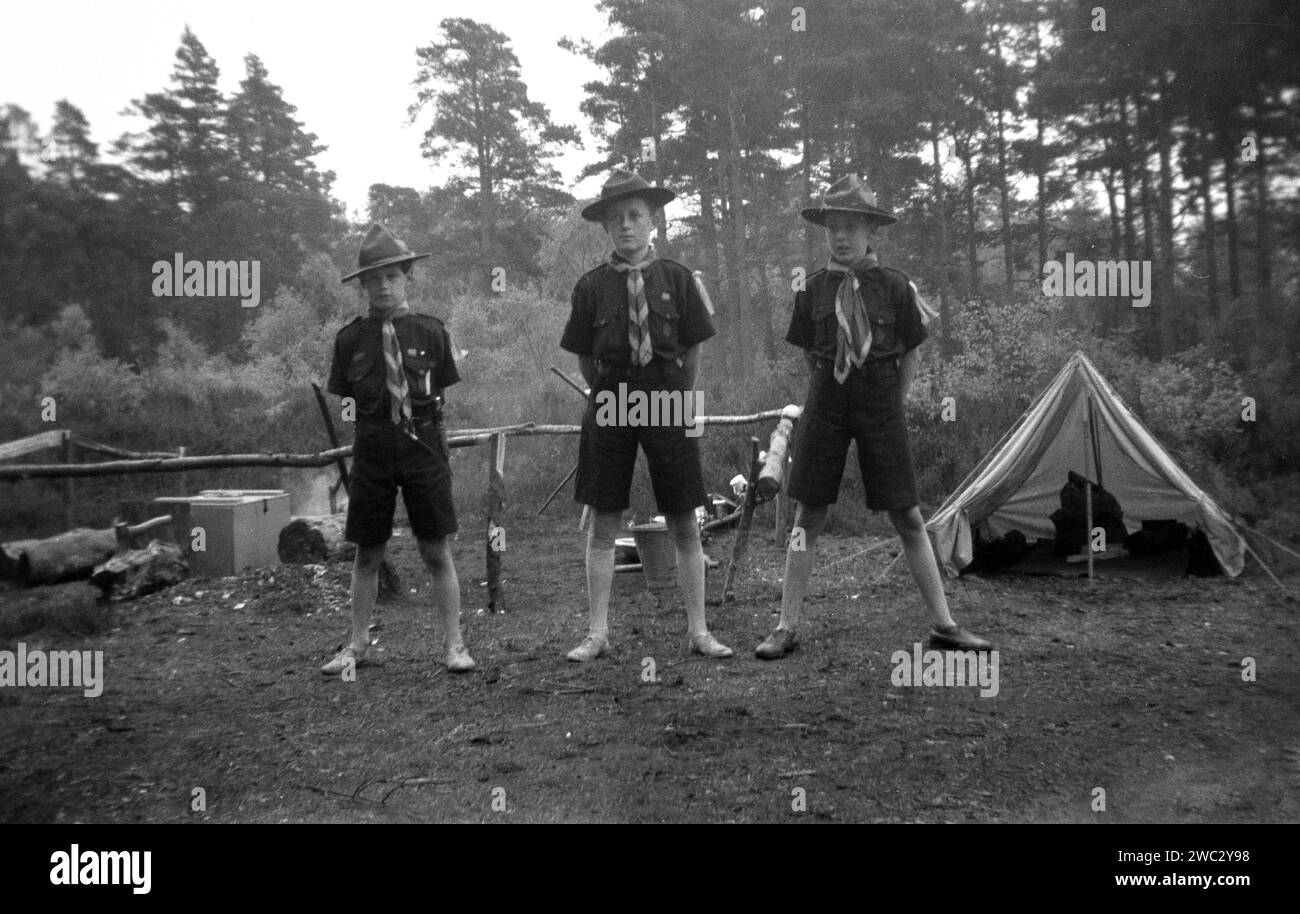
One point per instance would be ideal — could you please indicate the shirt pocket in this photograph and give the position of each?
(826, 328)
(664, 321)
(365, 376)
(609, 336)
(883, 330)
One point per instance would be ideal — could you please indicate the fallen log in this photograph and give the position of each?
(69, 556)
(140, 571)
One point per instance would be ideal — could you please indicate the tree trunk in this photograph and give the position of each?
(1263, 243)
(941, 236)
(738, 243)
(966, 153)
(1004, 195)
(1230, 218)
(810, 238)
(1148, 329)
(1126, 181)
(1211, 246)
(1170, 337)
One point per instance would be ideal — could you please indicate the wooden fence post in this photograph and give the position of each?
(69, 492)
(185, 477)
(496, 533)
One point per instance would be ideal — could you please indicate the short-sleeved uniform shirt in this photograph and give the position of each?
(384, 456)
(598, 328)
(598, 322)
(867, 408)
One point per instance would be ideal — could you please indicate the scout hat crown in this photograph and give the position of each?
(379, 249)
(849, 195)
(623, 183)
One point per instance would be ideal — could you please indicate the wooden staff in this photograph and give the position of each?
(746, 521)
(495, 540)
(333, 437)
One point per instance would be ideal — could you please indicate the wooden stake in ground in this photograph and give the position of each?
(496, 533)
(746, 521)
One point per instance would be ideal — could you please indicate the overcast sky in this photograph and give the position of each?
(346, 66)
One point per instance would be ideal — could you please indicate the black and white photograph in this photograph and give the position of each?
(868, 412)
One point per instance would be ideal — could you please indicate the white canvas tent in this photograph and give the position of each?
(1017, 485)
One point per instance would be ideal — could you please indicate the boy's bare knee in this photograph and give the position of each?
(369, 558)
(435, 554)
(684, 528)
(604, 528)
(907, 521)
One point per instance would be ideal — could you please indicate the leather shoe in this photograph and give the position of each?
(590, 648)
(710, 646)
(348, 657)
(776, 645)
(956, 638)
(459, 660)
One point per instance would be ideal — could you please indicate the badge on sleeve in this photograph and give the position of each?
(704, 293)
(928, 312)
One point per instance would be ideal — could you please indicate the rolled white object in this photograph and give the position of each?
(773, 471)
(739, 484)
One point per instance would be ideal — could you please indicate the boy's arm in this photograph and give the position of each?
(907, 371)
(587, 365)
(691, 365)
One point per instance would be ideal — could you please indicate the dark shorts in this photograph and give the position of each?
(607, 452)
(384, 459)
(867, 409)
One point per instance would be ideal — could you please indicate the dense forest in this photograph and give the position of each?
(1007, 135)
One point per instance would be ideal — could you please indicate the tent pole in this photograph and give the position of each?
(1095, 437)
(1087, 492)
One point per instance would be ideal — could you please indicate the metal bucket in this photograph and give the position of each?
(658, 557)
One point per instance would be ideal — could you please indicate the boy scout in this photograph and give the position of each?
(636, 324)
(394, 364)
(859, 324)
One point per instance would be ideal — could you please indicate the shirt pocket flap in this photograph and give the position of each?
(663, 304)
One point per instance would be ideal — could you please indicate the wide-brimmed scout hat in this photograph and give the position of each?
(623, 183)
(381, 248)
(849, 195)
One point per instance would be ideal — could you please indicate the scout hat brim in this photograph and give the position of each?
(381, 248)
(621, 185)
(403, 258)
(817, 214)
(852, 196)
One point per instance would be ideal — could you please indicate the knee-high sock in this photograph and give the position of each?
(600, 569)
(690, 568)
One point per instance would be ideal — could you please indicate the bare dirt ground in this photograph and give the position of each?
(1133, 686)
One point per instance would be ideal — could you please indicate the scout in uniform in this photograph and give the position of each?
(394, 364)
(636, 325)
(859, 324)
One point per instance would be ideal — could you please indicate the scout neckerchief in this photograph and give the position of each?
(638, 309)
(853, 340)
(399, 394)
